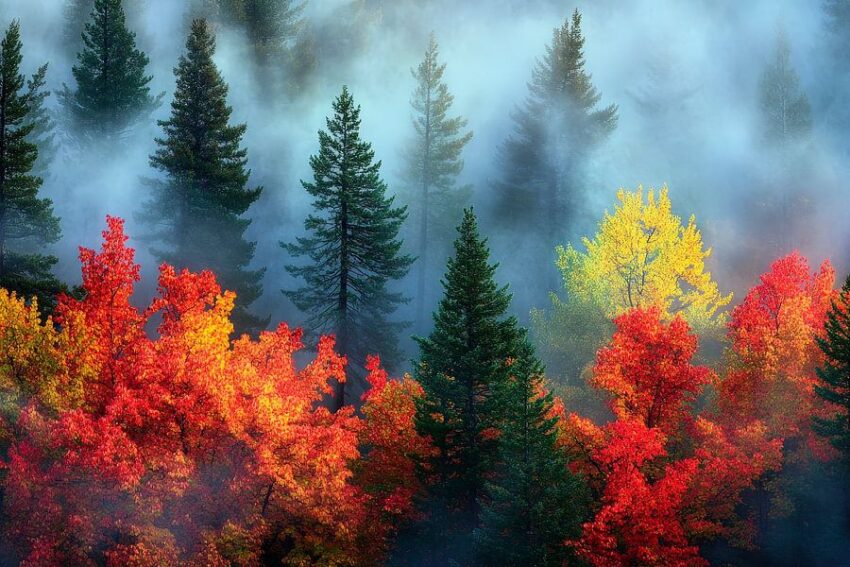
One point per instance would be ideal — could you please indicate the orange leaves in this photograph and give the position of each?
(647, 367)
(189, 446)
(774, 353)
(393, 448)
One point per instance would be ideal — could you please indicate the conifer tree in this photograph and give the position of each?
(27, 223)
(434, 162)
(42, 122)
(196, 213)
(786, 113)
(77, 13)
(462, 364)
(534, 504)
(834, 374)
(112, 94)
(544, 161)
(352, 247)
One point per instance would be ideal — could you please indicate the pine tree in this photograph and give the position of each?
(534, 504)
(196, 212)
(834, 374)
(462, 364)
(27, 223)
(786, 113)
(77, 13)
(434, 199)
(42, 122)
(544, 161)
(353, 246)
(112, 94)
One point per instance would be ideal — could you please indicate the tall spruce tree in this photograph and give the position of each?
(196, 213)
(27, 223)
(834, 375)
(463, 363)
(534, 503)
(544, 161)
(41, 119)
(785, 110)
(353, 249)
(434, 161)
(112, 94)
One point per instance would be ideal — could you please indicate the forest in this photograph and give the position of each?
(356, 283)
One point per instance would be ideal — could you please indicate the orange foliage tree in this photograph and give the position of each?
(774, 352)
(189, 447)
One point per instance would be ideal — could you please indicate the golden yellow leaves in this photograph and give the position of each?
(643, 256)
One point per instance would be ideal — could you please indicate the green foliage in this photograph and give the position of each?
(568, 336)
(112, 94)
(43, 125)
(834, 375)
(433, 164)
(352, 247)
(27, 223)
(534, 503)
(462, 363)
(195, 213)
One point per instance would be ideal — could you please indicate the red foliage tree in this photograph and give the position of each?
(191, 448)
(774, 353)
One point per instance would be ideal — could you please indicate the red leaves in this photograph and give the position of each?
(647, 367)
(638, 523)
(773, 332)
(665, 479)
(193, 448)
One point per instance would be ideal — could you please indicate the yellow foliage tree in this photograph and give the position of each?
(32, 363)
(644, 256)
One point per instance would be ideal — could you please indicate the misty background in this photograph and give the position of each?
(685, 78)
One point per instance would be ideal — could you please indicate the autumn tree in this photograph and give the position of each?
(27, 223)
(176, 444)
(352, 247)
(544, 161)
(461, 364)
(433, 164)
(533, 503)
(647, 368)
(665, 477)
(644, 256)
(774, 353)
(196, 213)
(112, 95)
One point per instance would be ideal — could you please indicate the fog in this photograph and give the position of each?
(684, 76)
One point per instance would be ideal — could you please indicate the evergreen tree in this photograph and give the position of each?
(112, 94)
(77, 13)
(834, 374)
(42, 122)
(353, 247)
(534, 504)
(786, 113)
(544, 161)
(434, 199)
(462, 364)
(196, 212)
(27, 223)
(785, 130)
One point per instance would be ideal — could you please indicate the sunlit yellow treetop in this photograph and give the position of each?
(643, 255)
